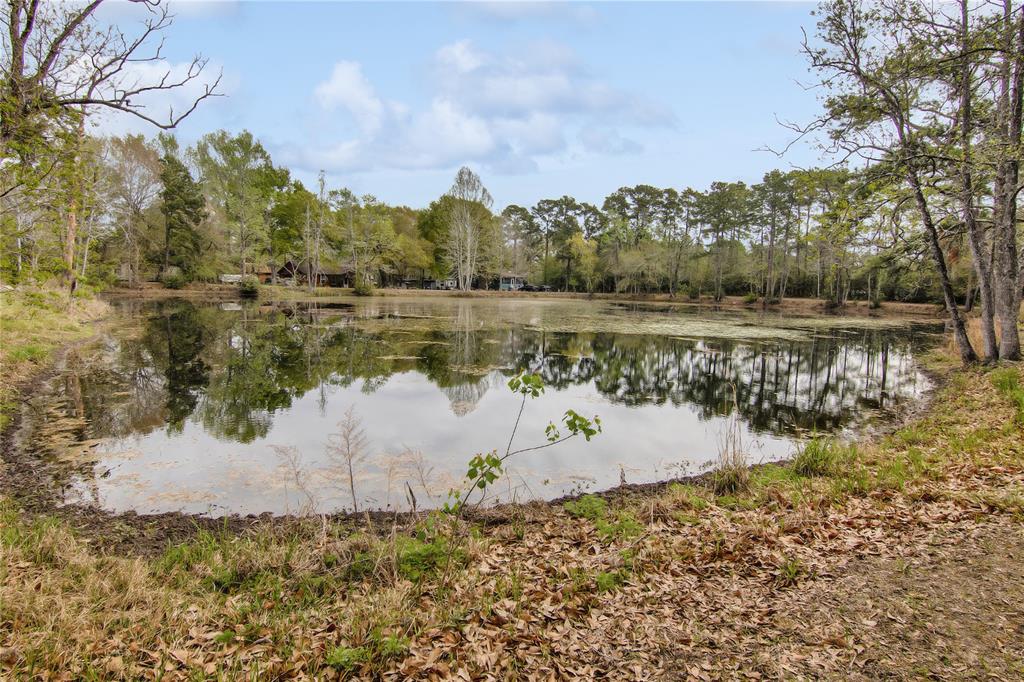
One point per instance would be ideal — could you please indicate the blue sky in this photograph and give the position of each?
(541, 99)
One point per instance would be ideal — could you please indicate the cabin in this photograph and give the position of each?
(511, 282)
(288, 270)
(337, 276)
(327, 275)
(265, 274)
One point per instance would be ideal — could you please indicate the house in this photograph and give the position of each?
(445, 284)
(337, 276)
(288, 270)
(264, 274)
(326, 275)
(511, 282)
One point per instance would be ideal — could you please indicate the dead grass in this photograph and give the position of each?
(681, 583)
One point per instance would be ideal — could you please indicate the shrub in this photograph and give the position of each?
(363, 288)
(693, 292)
(750, 298)
(249, 288)
(174, 281)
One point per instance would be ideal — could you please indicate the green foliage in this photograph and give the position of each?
(419, 557)
(750, 298)
(362, 288)
(183, 207)
(817, 457)
(790, 571)
(249, 288)
(590, 507)
(174, 281)
(623, 527)
(606, 581)
(593, 508)
(347, 658)
(484, 470)
(31, 352)
(527, 384)
(730, 479)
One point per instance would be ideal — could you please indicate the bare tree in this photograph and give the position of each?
(347, 449)
(134, 169)
(467, 208)
(59, 66)
(60, 63)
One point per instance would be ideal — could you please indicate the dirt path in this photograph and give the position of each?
(952, 609)
(948, 606)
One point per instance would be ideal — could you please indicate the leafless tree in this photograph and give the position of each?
(60, 62)
(468, 204)
(347, 449)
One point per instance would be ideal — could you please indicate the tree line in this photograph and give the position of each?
(152, 209)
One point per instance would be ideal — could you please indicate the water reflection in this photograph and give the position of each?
(189, 376)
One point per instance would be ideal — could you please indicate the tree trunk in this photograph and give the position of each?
(975, 238)
(1009, 117)
(963, 342)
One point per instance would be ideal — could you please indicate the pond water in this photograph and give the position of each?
(237, 408)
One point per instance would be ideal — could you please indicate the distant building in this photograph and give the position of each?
(264, 274)
(511, 282)
(325, 276)
(446, 284)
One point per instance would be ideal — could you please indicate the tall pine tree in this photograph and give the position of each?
(184, 210)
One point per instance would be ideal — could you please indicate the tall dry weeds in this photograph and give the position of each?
(347, 449)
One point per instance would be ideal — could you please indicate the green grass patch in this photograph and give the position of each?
(618, 526)
(606, 581)
(590, 507)
(1007, 381)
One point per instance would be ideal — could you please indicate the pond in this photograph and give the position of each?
(241, 408)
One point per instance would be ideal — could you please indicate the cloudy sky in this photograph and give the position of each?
(542, 99)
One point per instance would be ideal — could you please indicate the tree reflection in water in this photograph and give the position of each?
(233, 371)
(236, 374)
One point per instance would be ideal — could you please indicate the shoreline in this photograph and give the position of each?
(274, 293)
(23, 481)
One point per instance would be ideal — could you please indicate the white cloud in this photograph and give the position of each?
(502, 111)
(348, 88)
(460, 56)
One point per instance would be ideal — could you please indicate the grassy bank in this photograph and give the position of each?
(701, 580)
(34, 323)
